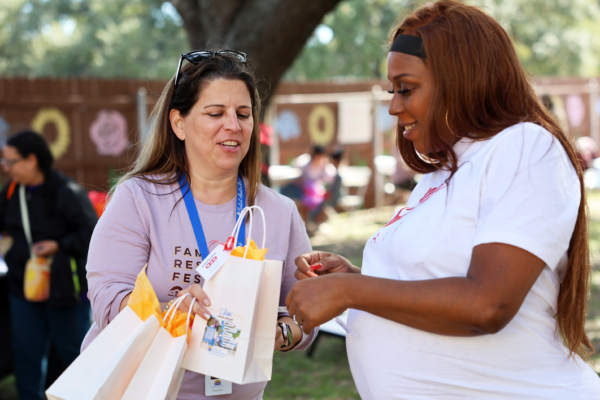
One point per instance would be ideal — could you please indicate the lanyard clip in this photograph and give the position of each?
(229, 243)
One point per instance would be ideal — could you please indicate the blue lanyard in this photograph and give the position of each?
(188, 199)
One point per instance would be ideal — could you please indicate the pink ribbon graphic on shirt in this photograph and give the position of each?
(406, 210)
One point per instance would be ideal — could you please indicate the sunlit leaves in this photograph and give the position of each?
(143, 38)
(110, 38)
(557, 37)
(357, 48)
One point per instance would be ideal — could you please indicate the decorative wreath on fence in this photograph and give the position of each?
(321, 135)
(63, 138)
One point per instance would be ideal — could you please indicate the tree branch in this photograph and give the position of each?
(271, 32)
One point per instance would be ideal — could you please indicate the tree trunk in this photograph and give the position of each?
(271, 32)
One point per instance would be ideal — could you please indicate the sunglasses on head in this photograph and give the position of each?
(196, 57)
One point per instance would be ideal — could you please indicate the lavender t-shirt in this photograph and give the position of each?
(145, 223)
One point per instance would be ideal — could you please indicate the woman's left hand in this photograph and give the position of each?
(45, 248)
(315, 301)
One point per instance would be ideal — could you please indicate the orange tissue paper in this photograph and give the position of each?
(143, 300)
(254, 253)
(177, 326)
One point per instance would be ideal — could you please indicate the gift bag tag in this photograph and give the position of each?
(215, 260)
(215, 386)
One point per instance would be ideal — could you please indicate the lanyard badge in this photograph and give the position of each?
(212, 261)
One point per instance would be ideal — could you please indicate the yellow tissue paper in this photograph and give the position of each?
(177, 326)
(254, 253)
(143, 300)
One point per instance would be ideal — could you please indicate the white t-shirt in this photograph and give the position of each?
(518, 188)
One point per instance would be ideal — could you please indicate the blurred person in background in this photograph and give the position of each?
(478, 288)
(62, 220)
(309, 190)
(295, 189)
(316, 175)
(333, 190)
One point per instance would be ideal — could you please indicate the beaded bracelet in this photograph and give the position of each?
(169, 304)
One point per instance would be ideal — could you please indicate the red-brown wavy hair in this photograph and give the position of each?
(481, 88)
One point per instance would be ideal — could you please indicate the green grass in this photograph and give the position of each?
(325, 375)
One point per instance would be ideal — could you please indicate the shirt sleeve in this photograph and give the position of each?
(119, 249)
(299, 244)
(530, 194)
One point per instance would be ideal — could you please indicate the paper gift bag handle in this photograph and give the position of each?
(187, 323)
(236, 228)
(174, 307)
(238, 223)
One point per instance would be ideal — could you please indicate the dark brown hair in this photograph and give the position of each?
(163, 153)
(482, 89)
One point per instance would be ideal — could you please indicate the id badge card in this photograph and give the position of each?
(215, 260)
(215, 386)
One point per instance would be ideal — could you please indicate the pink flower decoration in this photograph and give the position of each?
(109, 133)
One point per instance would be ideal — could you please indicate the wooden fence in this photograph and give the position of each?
(93, 125)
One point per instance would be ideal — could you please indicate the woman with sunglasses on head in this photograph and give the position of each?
(478, 288)
(204, 142)
(58, 224)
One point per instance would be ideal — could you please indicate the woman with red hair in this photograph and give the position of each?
(478, 288)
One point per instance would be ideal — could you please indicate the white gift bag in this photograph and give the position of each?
(105, 368)
(237, 342)
(160, 374)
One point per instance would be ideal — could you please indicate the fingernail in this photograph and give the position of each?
(316, 266)
(206, 316)
(206, 302)
(311, 274)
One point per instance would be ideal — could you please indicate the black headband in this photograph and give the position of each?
(409, 44)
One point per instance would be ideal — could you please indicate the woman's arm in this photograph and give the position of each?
(119, 249)
(483, 302)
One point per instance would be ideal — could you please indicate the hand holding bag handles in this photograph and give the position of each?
(37, 270)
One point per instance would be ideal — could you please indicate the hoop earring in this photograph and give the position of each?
(448, 125)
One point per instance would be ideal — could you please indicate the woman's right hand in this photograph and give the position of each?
(202, 301)
(317, 263)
